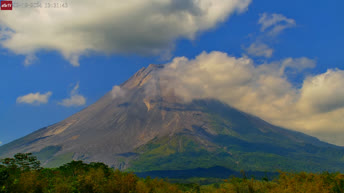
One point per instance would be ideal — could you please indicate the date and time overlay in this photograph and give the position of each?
(12, 5)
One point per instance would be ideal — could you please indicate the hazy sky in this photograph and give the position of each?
(279, 60)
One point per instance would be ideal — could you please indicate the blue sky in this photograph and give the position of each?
(316, 35)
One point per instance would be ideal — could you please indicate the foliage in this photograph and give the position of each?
(24, 174)
(22, 161)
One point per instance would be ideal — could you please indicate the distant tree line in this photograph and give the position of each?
(23, 174)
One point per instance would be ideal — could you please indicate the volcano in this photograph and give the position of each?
(143, 126)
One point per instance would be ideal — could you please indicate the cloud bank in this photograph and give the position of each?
(34, 98)
(75, 98)
(111, 26)
(262, 90)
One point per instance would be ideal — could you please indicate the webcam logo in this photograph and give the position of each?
(6, 5)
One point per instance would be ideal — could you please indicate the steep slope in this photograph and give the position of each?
(144, 126)
(233, 139)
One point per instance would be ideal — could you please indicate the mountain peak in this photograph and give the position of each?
(150, 128)
(142, 76)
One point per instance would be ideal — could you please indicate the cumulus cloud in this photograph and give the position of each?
(117, 91)
(324, 93)
(262, 90)
(275, 23)
(112, 26)
(260, 49)
(75, 98)
(35, 98)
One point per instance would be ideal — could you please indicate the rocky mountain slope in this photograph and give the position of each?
(142, 126)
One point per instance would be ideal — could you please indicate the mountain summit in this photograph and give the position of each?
(143, 126)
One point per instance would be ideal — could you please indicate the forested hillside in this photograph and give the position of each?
(24, 174)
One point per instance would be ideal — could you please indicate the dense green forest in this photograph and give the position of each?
(23, 174)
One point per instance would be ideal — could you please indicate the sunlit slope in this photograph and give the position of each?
(143, 126)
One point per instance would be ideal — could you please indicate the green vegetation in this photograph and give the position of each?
(182, 152)
(179, 152)
(237, 141)
(24, 174)
(48, 152)
(59, 160)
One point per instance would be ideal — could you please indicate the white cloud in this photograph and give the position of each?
(262, 90)
(30, 59)
(297, 65)
(75, 98)
(260, 49)
(35, 98)
(112, 26)
(324, 93)
(117, 91)
(272, 25)
(275, 23)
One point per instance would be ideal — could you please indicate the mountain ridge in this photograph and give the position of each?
(143, 126)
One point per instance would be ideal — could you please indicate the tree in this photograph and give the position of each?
(22, 161)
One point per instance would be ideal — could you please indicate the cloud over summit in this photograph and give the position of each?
(262, 90)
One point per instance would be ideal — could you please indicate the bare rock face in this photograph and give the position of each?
(145, 126)
(114, 125)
